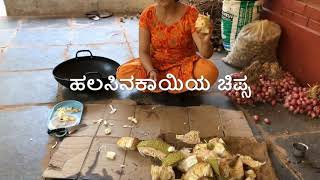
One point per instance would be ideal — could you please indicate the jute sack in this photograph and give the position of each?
(257, 41)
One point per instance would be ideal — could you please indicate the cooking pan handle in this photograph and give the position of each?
(84, 51)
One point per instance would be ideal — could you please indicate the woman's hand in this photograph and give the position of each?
(153, 75)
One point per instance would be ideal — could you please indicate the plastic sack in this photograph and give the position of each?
(235, 15)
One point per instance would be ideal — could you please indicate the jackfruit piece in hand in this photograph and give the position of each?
(172, 159)
(192, 137)
(187, 163)
(198, 171)
(237, 172)
(156, 148)
(128, 143)
(202, 24)
(247, 160)
(162, 173)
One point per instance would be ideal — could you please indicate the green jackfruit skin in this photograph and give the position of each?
(215, 165)
(210, 146)
(157, 144)
(173, 159)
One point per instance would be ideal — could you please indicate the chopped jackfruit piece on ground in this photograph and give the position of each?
(172, 159)
(162, 173)
(156, 148)
(187, 163)
(247, 160)
(192, 137)
(128, 143)
(198, 171)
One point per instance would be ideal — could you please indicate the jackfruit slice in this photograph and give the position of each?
(172, 159)
(251, 163)
(217, 145)
(155, 148)
(202, 24)
(128, 143)
(198, 171)
(192, 137)
(199, 147)
(187, 163)
(203, 153)
(216, 140)
(162, 173)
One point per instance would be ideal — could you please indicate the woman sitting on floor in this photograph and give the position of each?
(168, 41)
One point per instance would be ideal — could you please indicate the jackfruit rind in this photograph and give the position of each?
(162, 173)
(147, 151)
(247, 160)
(210, 146)
(192, 137)
(224, 168)
(215, 165)
(157, 144)
(155, 148)
(172, 159)
(237, 171)
(198, 171)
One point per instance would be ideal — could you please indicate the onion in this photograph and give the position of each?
(256, 118)
(267, 121)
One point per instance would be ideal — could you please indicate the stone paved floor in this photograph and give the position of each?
(31, 47)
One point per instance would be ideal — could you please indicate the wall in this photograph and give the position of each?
(74, 7)
(299, 50)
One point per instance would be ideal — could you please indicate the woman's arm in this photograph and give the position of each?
(203, 42)
(144, 52)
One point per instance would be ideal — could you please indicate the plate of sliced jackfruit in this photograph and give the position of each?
(65, 114)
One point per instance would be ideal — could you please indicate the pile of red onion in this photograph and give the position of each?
(284, 90)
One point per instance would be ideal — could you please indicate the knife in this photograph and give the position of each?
(68, 130)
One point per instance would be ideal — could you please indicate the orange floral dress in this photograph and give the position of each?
(172, 47)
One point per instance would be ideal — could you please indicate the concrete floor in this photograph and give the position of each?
(31, 47)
